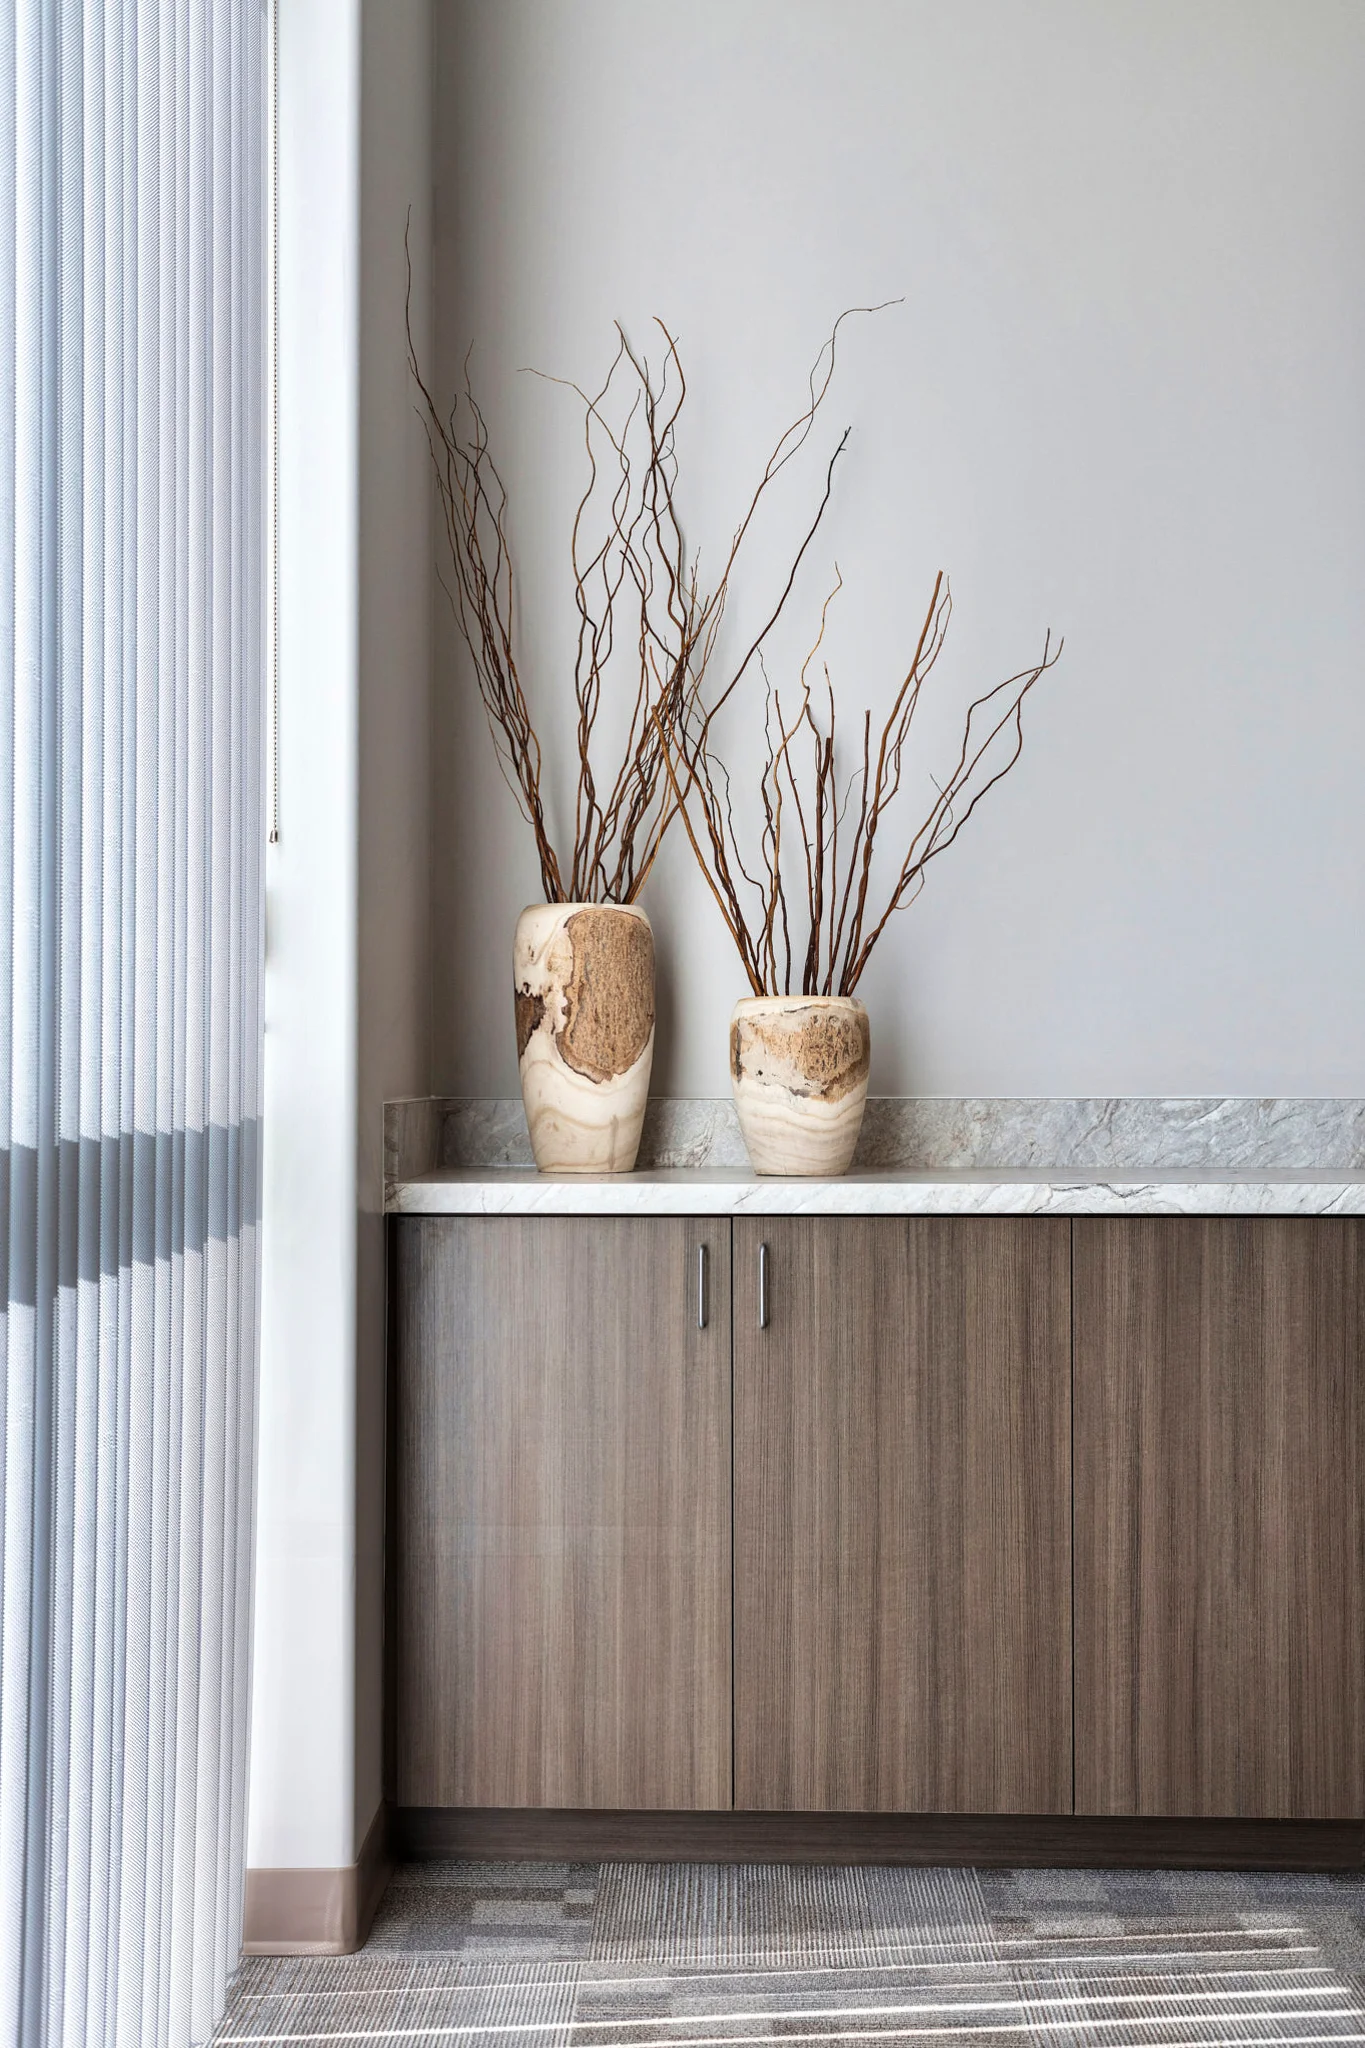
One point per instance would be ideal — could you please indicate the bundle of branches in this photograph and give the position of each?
(808, 914)
(642, 610)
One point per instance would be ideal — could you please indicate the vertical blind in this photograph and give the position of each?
(132, 335)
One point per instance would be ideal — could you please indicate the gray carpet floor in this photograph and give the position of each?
(618, 1955)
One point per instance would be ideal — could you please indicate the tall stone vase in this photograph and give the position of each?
(584, 985)
(798, 1069)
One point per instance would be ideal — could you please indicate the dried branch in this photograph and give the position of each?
(641, 607)
(832, 882)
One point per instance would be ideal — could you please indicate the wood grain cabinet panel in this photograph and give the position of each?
(561, 1616)
(1220, 1618)
(903, 1516)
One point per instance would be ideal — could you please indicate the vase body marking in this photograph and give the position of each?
(583, 981)
(799, 1069)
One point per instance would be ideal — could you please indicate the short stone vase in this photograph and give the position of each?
(584, 984)
(798, 1068)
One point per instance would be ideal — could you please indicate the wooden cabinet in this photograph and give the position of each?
(903, 1515)
(1220, 1540)
(560, 1526)
(945, 1448)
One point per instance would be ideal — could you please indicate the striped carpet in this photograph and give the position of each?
(650, 1955)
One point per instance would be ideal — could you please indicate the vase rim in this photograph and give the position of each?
(798, 1002)
(627, 909)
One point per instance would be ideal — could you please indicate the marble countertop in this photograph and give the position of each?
(719, 1191)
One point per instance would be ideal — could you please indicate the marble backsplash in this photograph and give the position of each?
(1137, 1134)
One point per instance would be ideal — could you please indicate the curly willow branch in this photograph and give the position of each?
(829, 885)
(646, 628)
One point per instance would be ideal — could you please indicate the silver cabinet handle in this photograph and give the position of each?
(701, 1287)
(763, 1287)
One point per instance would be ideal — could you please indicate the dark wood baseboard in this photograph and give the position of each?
(1076, 1841)
(374, 1868)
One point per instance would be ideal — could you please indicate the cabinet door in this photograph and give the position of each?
(903, 1516)
(562, 1517)
(1220, 1628)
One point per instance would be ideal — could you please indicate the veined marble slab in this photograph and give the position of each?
(682, 1191)
(1128, 1136)
(412, 1138)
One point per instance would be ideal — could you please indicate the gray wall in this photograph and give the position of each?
(393, 1034)
(1124, 398)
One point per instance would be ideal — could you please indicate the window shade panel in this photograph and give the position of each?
(132, 444)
